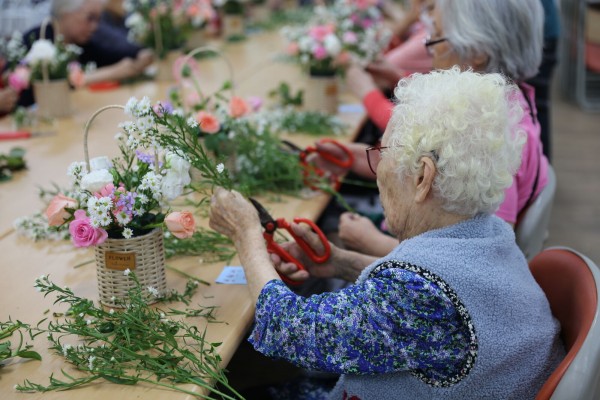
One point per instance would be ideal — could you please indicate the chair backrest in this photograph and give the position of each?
(532, 226)
(571, 283)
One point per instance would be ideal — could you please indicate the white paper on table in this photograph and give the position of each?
(232, 275)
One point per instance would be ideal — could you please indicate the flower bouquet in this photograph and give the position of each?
(52, 67)
(349, 31)
(117, 207)
(164, 26)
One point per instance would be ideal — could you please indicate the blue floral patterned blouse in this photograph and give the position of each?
(395, 321)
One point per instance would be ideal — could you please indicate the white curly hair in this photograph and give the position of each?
(467, 123)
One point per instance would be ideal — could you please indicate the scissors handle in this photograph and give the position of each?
(345, 162)
(310, 252)
(273, 247)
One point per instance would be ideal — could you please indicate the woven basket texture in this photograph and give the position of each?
(114, 285)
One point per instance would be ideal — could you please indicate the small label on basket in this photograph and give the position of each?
(119, 261)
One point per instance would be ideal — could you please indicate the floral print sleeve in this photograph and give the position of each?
(397, 320)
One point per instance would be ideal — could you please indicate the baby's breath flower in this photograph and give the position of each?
(127, 272)
(220, 168)
(111, 311)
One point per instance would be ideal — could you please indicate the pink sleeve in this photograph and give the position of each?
(379, 108)
(508, 210)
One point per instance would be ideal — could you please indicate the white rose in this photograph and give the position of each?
(332, 45)
(177, 164)
(172, 186)
(41, 50)
(99, 163)
(96, 180)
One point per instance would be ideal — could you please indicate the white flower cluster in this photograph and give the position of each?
(13, 48)
(152, 182)
(99, 211)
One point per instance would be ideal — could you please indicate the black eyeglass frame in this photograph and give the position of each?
(427, 42)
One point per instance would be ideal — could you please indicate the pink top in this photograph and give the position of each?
(532, 161)
(380, 108)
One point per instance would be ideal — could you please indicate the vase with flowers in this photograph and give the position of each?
(117, 207)
(349, 31)
(164, 26)
(52, 68)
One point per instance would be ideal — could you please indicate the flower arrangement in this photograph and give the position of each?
(348, 31)
(165, 25)
(53, 61)
(124, 197)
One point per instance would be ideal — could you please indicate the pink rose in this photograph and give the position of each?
(238, 107)
(208, 122)
(83, 233)
(19, 78)
(56, 212)
(181, 224)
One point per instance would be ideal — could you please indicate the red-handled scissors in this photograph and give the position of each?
(271, 224)
(345, 161)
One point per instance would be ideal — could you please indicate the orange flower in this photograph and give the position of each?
(238, 107)
(208, 122)
(56, 212)
(181, 224)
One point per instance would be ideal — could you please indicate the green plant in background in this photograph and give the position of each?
(11, 162)
(284, 97)
(136, 344)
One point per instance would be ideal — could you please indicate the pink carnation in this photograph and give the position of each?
(83, 233)
(320, 53)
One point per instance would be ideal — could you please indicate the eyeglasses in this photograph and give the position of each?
(374, 158)
(428, 43)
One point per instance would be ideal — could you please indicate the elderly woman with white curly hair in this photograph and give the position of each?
(452, 312)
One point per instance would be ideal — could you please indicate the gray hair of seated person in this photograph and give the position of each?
(60, 7)
(509, 32)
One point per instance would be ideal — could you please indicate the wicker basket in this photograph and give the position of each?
(144, 255)
(53, 98)
(321, 93)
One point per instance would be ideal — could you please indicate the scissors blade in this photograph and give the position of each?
(263, 214)
(291, 147)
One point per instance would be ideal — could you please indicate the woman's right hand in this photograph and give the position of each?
(291, 271)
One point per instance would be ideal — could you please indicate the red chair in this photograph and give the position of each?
(571, 282)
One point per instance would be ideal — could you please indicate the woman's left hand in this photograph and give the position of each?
(232, 215)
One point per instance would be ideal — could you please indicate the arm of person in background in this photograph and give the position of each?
(378, 106)
(124, 69)
(8, 100)
(360, 234)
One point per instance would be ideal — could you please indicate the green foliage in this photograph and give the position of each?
(22, 350)
(205, 243)
(13, 161)
(284, 97)
(136, 344)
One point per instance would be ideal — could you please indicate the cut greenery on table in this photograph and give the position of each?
(136, 344)
(11, 162)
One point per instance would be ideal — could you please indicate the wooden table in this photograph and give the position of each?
(22, 261)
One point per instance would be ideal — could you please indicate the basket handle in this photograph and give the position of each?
(200, 50)
(87, 130)
(43, 27)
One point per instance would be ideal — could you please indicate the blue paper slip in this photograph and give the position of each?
(232, 276)
(351, 108)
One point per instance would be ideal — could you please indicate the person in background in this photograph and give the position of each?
(472, 34)
(542, 82)
(78, 22)
(455, 300)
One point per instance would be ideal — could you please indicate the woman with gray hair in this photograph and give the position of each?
(79, 22)
(495, 36)
(453, 311)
